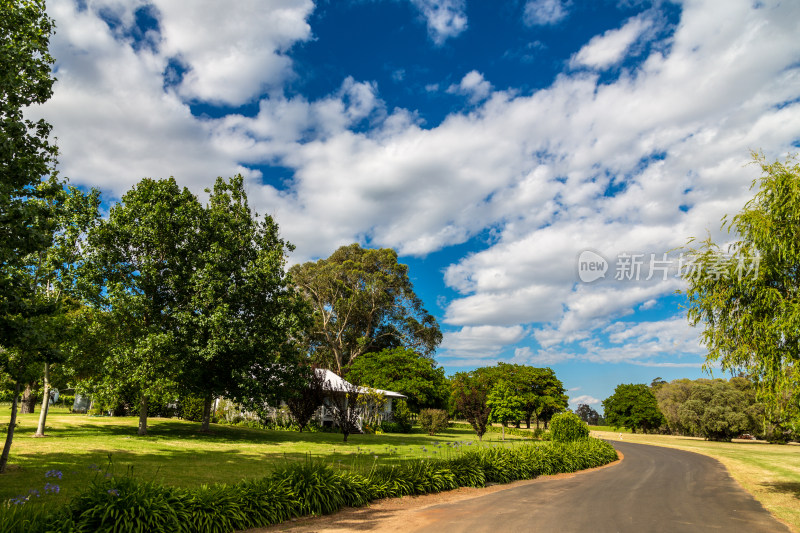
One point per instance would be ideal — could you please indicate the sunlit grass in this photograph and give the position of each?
(770, 472)
(176, 453)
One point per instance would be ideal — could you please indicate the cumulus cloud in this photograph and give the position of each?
(445, 18)
(472, 85)
(544, 12)
(478, 343)
(584, 399)
(603, 51)
(232, 54)
(535, 169)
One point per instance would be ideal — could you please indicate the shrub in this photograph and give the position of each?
(568, 427)
(402, 416)
(433, 420)
(191, 408)
(312, 487)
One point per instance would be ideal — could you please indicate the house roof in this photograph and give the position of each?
(334, 382)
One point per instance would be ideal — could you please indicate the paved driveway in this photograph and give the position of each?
(654, 489)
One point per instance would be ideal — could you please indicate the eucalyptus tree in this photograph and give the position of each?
(142, 262)
(747, 296)
(363, 301)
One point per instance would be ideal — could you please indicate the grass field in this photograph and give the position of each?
(770, 472)
(176, 453)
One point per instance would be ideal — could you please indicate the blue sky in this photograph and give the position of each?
(490, 143)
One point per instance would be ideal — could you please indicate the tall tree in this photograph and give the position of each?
(402, 370)
(587, 414)
(27, 158)
(748, 296)
(142, 262)
(506, 404)
(363, 301)
(633, 407)
(243, 310)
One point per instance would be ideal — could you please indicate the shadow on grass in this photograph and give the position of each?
(783, 487)
(173, 429)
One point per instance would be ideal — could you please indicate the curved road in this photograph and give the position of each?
(653, 489)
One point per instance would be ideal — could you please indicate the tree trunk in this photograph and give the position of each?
(528, 422)
(143, 416)
(28, 400)
(45, 402)
(503, 431)
(206, 413)
(10, 434)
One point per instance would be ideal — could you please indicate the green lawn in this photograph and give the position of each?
(770, 472)
(176, 453)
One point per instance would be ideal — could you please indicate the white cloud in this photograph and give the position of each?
(585, 399)
(544, 12)
(445, 18)
(608, 49)
(473, 85)
(234, 53)
(480, 341)
(531, 168)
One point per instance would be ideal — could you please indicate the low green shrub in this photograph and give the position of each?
(129, 505)
(433, 420)
(567, 427)
(190, 408)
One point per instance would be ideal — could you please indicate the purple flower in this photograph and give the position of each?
(33, 492)
(53, 473)
(51, 488)
(113, 492)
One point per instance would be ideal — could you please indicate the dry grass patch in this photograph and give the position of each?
(770, 472)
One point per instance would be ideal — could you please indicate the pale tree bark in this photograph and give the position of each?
(45, 402)
(143, 416)
(10, 434)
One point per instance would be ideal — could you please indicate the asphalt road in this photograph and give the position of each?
(653, 489)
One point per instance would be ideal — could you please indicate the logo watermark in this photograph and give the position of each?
(629, 266)
(591, 266)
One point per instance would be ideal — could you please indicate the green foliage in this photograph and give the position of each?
(506, 404)
(633, 407)
(402, 416)
(587, 414)
(745, 296)
(433, 420)
(311, 487)
(191, 407)
(524, 433)
(238, 284)
(363, 301)
(405, 371)
(568, 427)
(143, 258)
(469, 395)
(714, 409)
(307, 395)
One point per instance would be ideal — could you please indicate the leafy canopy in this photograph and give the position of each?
(748, 296)
(363, 301)
(405, 371)
(633, 407)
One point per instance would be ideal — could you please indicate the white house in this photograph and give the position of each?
(335, 383)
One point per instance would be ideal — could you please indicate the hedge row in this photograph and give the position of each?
(127, 504)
